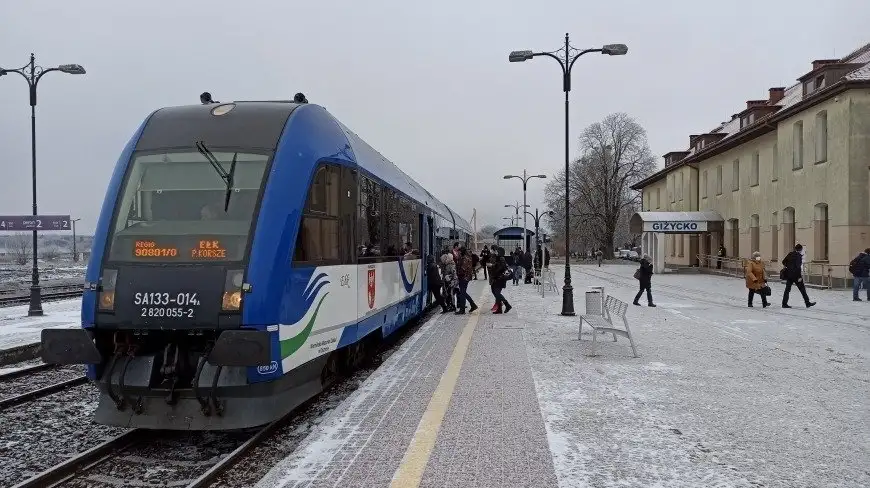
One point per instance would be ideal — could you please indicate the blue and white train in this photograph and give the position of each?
(245, 253)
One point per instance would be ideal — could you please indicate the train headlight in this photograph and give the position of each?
(232, 298)
(107, 290)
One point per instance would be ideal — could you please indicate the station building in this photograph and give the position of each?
(791, 168)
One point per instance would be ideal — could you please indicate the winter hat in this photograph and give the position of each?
(756, 254)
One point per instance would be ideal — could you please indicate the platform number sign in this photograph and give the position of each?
(17, 223)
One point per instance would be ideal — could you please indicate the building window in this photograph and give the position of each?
(774, 237)
(734, 245)
(821, 137)
(753, 171)
(797, 158)
(680, 242)
(673, 191)
(820, 232)
(719, 180)
(774, 168)
(788, 238)
(704, 184)
(658, 198)
(680, 188)
(735, 177)
(754, 235)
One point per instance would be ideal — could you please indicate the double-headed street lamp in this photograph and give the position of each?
(537, 217)
(566, 56)
(33, 73)
(516, 208)
(525, 179)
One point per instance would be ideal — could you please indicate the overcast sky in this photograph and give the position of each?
(428, 84)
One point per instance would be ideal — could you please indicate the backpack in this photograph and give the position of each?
(853, 265)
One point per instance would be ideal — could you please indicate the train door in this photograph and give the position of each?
(347, 231)
(428, 239)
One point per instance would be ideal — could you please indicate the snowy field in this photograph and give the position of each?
(722, 394)
(15, 276)
(17, 329)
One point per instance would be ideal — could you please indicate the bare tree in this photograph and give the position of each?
(487, 231)
(19, 245)
(616, 155)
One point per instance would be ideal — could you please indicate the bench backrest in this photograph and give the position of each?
(615, 306)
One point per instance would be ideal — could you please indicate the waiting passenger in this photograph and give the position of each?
(433, 279)
(464, 272)
(860, 269)
(756, 279)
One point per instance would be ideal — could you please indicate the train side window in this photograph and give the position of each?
(390, 244)
(368, 226)
(318, 239)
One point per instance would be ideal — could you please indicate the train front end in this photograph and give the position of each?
(162, 332)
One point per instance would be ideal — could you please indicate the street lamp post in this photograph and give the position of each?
(32, 74)
(75, 253)
(517, 213)
(525, 179)
(566, 56)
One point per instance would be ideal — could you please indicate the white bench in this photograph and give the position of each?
(613, 308)
(548, 279)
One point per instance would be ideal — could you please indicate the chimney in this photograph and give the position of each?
(821, 62)
(755, 103)
(775, 95)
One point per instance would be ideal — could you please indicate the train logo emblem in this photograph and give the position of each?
(371, 282)
(271, 368)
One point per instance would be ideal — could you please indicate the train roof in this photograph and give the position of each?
(366, 156)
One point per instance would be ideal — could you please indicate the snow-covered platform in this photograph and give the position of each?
(17, 329)
(721, 395)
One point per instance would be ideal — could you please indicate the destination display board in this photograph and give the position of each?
(16, 223)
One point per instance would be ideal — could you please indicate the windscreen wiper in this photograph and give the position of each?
(230, 178)
(227, 177)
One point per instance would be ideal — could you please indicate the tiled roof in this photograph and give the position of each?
(792, 96)
(794, 93)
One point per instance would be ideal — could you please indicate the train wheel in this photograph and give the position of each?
(330, 369)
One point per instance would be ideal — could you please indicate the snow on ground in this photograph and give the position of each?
(17, 329)
(722, 394)
(16, 276)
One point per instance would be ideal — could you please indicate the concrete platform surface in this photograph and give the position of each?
(721, 396)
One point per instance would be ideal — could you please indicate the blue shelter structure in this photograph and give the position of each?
(510, 237)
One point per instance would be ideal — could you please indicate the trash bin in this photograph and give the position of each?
(595, 301)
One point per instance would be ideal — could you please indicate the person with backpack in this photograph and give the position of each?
(860, 269)
(644, 277)
(433, 279)
(501, 272)
(791, 273)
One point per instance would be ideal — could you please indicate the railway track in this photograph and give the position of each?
(37, 381)
(140, 457)
(48, 294)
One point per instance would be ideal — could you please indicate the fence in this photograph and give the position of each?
(834, 276)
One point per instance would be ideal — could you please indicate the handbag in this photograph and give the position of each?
(637, 274)
(765, 291)
(782, 274)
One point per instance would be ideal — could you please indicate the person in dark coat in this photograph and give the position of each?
(475, 262)
(720, 254)
(644, 277)
(528, 261)
(792, 274)
(546, 258)
(484, 261)
(860, 268)
(433, 279)
(464, 273)
(500, 274)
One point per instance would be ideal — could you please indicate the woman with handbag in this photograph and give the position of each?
(500, 274)
(756, 279)
(644, 277)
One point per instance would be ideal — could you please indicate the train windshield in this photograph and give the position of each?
(177, 206)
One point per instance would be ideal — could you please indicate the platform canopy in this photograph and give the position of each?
(677, 222)
(512, 233)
